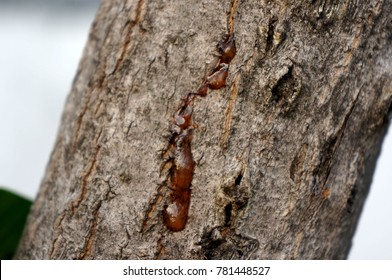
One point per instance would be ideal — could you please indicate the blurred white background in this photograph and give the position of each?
(41, 43)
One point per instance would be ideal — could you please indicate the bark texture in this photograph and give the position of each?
(284, 154)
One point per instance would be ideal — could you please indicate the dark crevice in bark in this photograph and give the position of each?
(270, 34)
(228, 209)
(351, 199)
(222, 243)
(284, 87)
(238, 180)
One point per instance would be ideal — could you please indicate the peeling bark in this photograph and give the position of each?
(284, 153)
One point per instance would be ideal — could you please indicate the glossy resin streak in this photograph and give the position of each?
(175, 212)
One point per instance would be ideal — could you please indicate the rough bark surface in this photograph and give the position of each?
(284, 153)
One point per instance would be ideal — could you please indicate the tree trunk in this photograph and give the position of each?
(156, 159)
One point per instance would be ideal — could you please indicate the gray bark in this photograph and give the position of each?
(284, 153)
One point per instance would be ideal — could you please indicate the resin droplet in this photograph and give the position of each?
(218, 79)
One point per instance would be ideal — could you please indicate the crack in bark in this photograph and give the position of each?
(303, 221)
(160, 249)
(152, 208)
(129, 25)
(339, 137)
(86, 251)
(80, 119)
(296, 166)
(270, 33)
(129, 128)
(99, 77)
(58, 222)
(76, 203)
(230, 20)
(169, 98)
(98, 107)
(236, 197)
(87, 175)
(229, 110)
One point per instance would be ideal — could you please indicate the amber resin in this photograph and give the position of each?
(175, 212)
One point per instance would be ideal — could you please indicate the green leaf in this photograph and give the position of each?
(13, 214)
